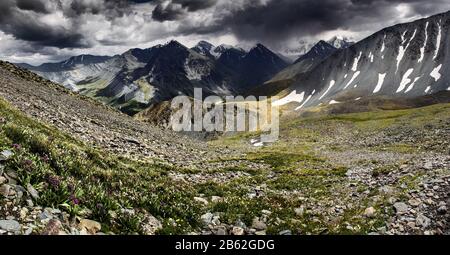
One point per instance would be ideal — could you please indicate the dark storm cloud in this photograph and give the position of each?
(110, 9)
(280, 19)
(15, 20)
(167, 12)
(268, 21)
(195, 5)
(176, 9)
(32, 5)
(20, 18)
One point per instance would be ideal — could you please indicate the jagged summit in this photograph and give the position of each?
(259, 48)
(204, 48)
(205, 44)
(321, 51)
(174, 43)
(341, 42)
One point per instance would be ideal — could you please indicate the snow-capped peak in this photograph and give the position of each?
(204, 46)
(340, 42)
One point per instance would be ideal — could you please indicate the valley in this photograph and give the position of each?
(359, 173)
(364, 144)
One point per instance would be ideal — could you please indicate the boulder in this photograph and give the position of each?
(89, 226)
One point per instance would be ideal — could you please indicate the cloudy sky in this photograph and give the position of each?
(36, 31)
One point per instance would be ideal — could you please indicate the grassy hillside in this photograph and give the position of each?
(303, 184)
(337, 168)
(88, 182)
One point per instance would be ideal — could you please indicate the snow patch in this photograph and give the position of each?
(191, 73)
(334, 102)
(380, 83)
(356, 61)
(438, 42)
(403, 36)
(306, 101)
(332, 82)
(383, 47)
(357, 99)
(405, 80)
(427, 89)
(293, 97)
(435, 73)
(422, 50)
(355, 75)
(402, 50)
(412, 84)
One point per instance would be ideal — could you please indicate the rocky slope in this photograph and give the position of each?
(406, 60)
(89, 120)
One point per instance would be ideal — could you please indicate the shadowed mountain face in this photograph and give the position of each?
(141, 77)
(257, 66)
(406, 60)
(321, 51)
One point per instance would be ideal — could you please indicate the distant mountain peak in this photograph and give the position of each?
(320, 50)
(341, 42)
(204, 48)
(208, 49)
(261, 49)
(224, 47)
(259, 46)
(322, 45)
(174, 43)
(205, 44)
(221, 49)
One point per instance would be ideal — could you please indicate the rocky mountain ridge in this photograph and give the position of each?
(141, 77)
(406, 60)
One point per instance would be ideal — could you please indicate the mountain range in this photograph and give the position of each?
(141, 77)
(406, 60)
(403, 61)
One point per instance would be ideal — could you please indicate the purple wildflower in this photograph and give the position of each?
(16, 146)
(74, 200)
(54, 181)
(45, 159)
(28, 164)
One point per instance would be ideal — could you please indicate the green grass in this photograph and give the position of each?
(299, 169)
(74, 177)
(78, 178)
